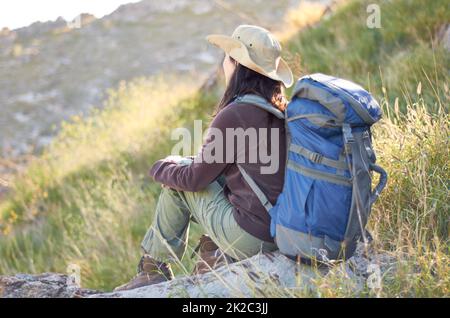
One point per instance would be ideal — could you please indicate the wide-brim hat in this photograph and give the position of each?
(257, 49)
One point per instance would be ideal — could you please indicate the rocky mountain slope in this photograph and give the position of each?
(54, 70)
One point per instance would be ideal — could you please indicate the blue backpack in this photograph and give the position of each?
(327, 196)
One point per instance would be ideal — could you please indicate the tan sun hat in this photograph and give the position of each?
(257, 49)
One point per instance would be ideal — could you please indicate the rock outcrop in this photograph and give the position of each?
(48, 285)
(262, 275)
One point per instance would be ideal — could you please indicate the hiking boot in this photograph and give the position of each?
(211, 257)
(150, 272)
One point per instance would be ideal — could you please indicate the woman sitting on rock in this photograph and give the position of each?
(215, 193)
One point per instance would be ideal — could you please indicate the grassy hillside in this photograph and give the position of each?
(88, 201)
(405, 51)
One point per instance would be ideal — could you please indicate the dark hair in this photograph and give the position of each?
(246, 81)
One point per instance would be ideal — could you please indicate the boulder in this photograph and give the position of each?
(47, 285)
(268, 274)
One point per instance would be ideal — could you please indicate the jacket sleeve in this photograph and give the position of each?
(207, 165)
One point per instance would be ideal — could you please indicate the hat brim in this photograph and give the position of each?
(239, 52)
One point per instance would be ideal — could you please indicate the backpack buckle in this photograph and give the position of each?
(315, 157)
(347, 133)
(348, 138)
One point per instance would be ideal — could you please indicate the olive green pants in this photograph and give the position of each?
(166, 239)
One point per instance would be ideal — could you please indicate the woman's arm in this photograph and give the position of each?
(203, 170)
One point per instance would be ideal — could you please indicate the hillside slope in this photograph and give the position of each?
(87, 200)
(50, 71)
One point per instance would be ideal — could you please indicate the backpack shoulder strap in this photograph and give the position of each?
(264, 104)
(261, 102)
(256, 189)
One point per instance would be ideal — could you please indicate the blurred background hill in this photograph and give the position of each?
(54, 70)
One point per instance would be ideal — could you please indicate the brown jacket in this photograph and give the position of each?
(248, 211)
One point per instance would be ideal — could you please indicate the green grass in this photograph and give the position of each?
(87, 199)
(397, 56)
(410, 220)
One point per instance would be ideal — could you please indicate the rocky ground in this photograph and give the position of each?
(258, 276)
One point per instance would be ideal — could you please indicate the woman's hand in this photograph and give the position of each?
(179, 160)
